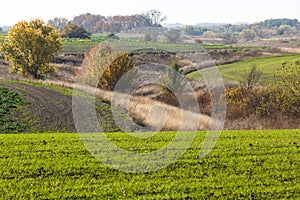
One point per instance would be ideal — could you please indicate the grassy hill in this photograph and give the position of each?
(235, 71)
(243, 165)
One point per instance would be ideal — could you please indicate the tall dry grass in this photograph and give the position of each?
(155, 114)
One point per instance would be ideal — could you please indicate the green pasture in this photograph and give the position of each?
(243, 165)
(234, 72)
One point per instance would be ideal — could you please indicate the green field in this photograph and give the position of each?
(131, 44)
(76, 45)
(243, 165)
(235, 71)
(11, 104)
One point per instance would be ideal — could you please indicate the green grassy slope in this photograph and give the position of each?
(76, 45)
(128, 44)
(243, 165)
(267, 65)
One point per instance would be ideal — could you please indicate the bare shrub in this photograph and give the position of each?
(252, 77)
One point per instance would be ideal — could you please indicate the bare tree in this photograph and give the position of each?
(252, 77)
(58, 23)
(155, 17)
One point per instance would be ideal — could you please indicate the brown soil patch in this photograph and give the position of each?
(50, 110)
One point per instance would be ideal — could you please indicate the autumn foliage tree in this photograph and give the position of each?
(288, 80)
(75, 31)
(30, 47)
(103, 67)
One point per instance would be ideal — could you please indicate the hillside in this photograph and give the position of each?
(48, 108)
(268, 65)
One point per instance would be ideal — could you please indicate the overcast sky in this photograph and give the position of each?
(185, 11)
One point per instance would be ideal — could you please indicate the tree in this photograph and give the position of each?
(58, 23)
(1, 29)
(194, 30)
(209, 34)
(112, 24)
(104, 68)
(247, 34)
(30, 47)
(75, 31)
(288, 80)
(155, 17)
(252, 77)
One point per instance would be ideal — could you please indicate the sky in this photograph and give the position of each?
(185, 11)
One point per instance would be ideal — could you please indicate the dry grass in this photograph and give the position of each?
(255, 122)
(157, 115)
(143, 110)
(163, 112)
(161, 116)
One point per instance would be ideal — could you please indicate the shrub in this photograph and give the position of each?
(103, 67)
(288, 80)
(252, 77)
(75, 31)
(262, 101)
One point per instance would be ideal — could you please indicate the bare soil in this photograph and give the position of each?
(51, 110)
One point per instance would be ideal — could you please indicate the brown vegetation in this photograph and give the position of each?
(258, 108)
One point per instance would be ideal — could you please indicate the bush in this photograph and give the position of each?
(252, 77)
(288, 80)
(103, 68)
(112, 36)
(262, 101)
(75, 31)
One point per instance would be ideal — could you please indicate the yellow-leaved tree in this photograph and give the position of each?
(103, 67)
(30, 46)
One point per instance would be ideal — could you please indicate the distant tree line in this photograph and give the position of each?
(117, 24)
(233, 32)
(84, 25)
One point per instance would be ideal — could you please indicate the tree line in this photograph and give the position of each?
(246, 32)
(112, 24)
(86, 24)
